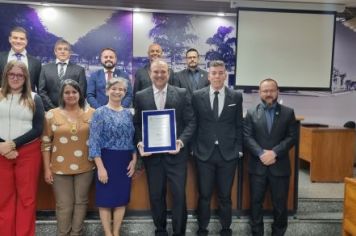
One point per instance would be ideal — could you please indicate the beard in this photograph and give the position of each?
(108, 64)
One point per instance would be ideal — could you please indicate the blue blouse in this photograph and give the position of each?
(112, 130)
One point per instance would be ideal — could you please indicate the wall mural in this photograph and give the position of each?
(90, 30)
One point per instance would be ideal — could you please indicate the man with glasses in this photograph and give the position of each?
(270, 130)
(192, 78)
(18, 42)
(53, 74)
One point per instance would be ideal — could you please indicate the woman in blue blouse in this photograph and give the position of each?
(111, 147)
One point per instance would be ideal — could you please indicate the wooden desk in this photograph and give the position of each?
(139, 201)
(329, 151)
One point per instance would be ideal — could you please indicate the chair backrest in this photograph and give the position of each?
(349, 219)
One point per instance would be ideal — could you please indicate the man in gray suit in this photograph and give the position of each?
(168, 167)
(192, 78)
(142, 77)
(270, 130)
(53, 74)
(217, 145)
(18, 41)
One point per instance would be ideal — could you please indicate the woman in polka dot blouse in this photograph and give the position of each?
(65, 157)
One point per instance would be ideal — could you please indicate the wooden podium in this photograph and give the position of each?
(329, 151)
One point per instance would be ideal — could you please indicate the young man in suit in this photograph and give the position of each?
(142, 77)
(53, 74)
(192, 78)
(270, 130)
(96, 92)
(217, 145)
(168, 167)
(18, 41)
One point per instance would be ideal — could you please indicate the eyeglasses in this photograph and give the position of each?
(17, 76)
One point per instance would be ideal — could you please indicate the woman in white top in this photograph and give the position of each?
(21, 119)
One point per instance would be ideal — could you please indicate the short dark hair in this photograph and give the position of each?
(76, 86)
(269, 80)
(191, 50)
(110, 49)
(62, 41)
(18, 29)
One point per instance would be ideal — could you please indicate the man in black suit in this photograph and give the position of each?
(270, 130)
(168, 167)
(192, 78)
(18, 42)
(217, 145)
(53, 74)
(142, 75)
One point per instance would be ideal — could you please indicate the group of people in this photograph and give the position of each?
(80, 128)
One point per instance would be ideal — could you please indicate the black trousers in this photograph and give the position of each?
(279, 186)
(159, 173)
(215, 172)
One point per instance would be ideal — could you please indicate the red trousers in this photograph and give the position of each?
(18, 190)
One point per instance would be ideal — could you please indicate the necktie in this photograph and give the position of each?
(161, 102)
(216, 105)
(61, 69)
(269, 119)
(18, 56)
(109, 75)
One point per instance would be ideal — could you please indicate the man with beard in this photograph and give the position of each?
(142, 77)
(270, 130)
(192, 78)
(96, 93)
(53, 74)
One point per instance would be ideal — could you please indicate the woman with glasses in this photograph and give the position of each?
(65, 157)
(21, 119)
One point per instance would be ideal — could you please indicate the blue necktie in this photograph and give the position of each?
(18, 56)
(269, 118)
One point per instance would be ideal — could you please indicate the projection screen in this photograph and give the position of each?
(293, 47)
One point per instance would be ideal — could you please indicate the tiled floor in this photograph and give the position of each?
(307, 189)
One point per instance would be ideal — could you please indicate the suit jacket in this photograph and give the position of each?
(227, 129)
(182, 80)
(50, 83)
(177, 99)
(143, 80)
(282, 137)
(34, 68)
(96, 91)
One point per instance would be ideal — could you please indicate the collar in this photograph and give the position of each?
(65, 62)
(221, 91)
(156, 90)
(193, 71)
(273, 107)
(24, 52)
(112, 70)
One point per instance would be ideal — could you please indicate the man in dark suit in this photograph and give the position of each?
(53, 74)
(142, 77)
(270, 130)
(18, 41)
(192, 78)
(96, 92)
(168, 167)
(217, 145)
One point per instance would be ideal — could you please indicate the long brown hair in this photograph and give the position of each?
(26, 96)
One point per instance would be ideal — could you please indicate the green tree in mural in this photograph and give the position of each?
(171, 32)
(222, 46)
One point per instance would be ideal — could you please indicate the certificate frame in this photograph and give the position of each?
(155, 114)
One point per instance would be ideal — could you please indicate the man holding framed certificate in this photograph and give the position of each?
(164, 124)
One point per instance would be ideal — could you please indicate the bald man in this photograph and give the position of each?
(142, 77)
(170, 167)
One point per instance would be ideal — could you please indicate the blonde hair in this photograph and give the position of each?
(26, 96)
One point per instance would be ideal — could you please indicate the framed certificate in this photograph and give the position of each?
(159, 130)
